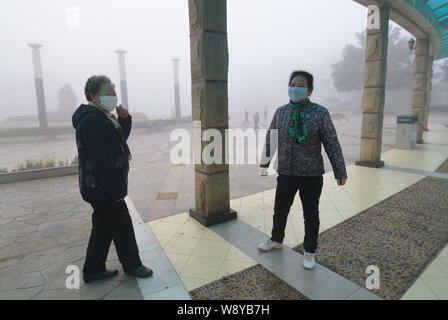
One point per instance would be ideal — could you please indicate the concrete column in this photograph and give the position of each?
(419, 84)
(176, 87)
(429, 75)
(39, 83)
(123, 79)
(374, 92)
(209, 70)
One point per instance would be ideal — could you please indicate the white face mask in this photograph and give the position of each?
(108, 102)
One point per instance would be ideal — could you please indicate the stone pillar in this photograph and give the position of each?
(123, 79)
(39, 83)
(419, 84)
(209, 70)
(429, 75)
(374, 93)
(176, 87)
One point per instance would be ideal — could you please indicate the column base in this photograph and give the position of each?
(375, 164)
(212, 220)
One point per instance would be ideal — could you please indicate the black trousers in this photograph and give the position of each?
(111, 222)
(310, 189)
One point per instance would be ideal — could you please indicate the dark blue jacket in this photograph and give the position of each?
(103, 155)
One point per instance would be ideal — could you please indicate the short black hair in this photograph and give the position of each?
(308, 76)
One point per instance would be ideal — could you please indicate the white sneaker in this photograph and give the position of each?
(308, 260)
(269, 245)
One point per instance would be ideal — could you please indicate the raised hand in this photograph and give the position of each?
(122, 112)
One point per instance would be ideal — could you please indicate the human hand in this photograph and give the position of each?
(263, 172)
(341, 182)
(122, 112)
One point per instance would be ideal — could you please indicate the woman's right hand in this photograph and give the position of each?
(263, 172)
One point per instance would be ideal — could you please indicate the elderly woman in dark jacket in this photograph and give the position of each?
(103, 179)
(302, 127)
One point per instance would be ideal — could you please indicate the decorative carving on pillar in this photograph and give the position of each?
(195, 15)
(374, 92)
(428, 92)
(419, 94)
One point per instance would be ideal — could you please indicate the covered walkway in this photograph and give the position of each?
(425, 20)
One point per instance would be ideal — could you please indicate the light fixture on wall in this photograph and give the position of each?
(411, 44)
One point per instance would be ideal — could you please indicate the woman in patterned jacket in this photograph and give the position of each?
(302, 127)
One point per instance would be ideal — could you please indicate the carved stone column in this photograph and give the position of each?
(429, 75)
(374, 92)
(209, 70)
(419, 85)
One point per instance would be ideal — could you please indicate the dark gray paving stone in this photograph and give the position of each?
(164, 275)
(363, 294)
(15, 229)
(22, 281)
(34, 262)
(20, 294)
(98, 289)
(63, 294)
(127, 290)
(73, 254)
(174, 293)
(237, 232)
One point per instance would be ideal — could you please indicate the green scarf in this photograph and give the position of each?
(297, 127)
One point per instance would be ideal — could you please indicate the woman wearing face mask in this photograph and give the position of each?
(302, 127)
(103, 179)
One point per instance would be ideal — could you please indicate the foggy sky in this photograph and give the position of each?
(267, 40)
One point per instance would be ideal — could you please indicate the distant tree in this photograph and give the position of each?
(348, 74)
(440, 76)
(443, 75)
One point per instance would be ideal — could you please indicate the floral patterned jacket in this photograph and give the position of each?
(304, 159)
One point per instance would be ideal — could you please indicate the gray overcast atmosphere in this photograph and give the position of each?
(267, 40)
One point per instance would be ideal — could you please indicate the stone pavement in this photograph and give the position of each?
(203, 255)
(45, 227)
(44, 224)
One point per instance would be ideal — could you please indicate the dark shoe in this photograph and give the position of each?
(97, 276)
(140, 272)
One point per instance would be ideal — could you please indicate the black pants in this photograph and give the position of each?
(111, 222)
(310, 189)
